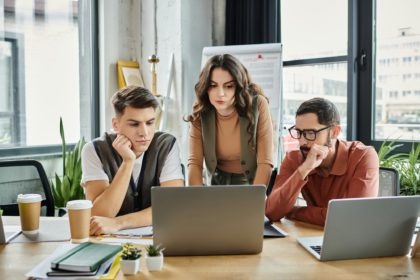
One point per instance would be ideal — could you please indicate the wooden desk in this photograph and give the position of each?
(282, 258)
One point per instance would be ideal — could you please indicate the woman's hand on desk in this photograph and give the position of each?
(103, 225)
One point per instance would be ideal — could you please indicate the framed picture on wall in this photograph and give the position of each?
(129, 74)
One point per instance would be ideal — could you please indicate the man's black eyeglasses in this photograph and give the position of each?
(309, 134)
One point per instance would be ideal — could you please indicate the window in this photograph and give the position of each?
(406, 77)
(315, 57)
(376, 56)
(7, 116)
(39, 74)
(306, 36)
(397, 35)
(406, 59)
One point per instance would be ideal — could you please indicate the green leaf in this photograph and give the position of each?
(386, 148)
(69, 165)
(63, 144)
(78, 150)
(69, 187)
(75, 186)
(66, 188)
(58, 185)
(413, 156)
(56, 190)
(407, 165)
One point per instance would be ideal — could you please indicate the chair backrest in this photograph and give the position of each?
(183, 171)
(20, 177)
(389, 182)
(271, 182)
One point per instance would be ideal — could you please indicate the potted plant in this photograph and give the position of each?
(407, 165)
(68, 188)
(130, 259)
(154, 257)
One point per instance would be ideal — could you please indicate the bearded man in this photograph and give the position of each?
(323, 168)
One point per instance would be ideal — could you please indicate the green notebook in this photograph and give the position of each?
(86, 257)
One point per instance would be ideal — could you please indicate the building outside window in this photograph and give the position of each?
(39, 72)
(324, 43)
(398, 36)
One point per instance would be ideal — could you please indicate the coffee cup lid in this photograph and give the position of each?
(79, 204)
(29, 198)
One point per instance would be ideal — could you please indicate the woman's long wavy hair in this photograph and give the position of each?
(245, 89)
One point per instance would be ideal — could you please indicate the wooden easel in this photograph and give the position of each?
(165, 98)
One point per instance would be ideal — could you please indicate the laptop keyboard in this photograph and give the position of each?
(317, 249)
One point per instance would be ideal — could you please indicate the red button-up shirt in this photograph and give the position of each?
(354, 173)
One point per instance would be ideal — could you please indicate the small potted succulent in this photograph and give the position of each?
(130, 259)
(154, 257)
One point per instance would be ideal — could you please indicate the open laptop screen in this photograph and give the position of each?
(366, 228)
(7, 233)
(208, 220)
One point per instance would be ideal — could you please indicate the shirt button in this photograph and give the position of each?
(247, 172)
(243, 162)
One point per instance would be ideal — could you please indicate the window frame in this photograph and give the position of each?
(91, 63)
(18, 76)
(366, 94)
(361, 64)
(335, 59)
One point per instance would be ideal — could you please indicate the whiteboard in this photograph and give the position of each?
(264, 64)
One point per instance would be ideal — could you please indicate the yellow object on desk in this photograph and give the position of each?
(113, 271)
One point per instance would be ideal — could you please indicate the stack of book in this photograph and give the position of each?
(83, 260)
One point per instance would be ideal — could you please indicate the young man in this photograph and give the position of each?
(119, 169)
(325, 167)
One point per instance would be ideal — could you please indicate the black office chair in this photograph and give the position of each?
(20, 177)
(389, 182)
(183, 171)
(271, 182)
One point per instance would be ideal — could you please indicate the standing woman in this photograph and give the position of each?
(231, 126)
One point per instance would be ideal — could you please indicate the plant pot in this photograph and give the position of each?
(154, 263)
(130, 267)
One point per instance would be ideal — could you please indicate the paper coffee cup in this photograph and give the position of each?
(79, 217)
(29, 211)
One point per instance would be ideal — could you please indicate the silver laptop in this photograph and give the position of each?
(366, 228)
(217, 220)
(7, 233)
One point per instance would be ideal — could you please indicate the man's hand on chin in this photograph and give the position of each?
(314, 158)
(103, 225)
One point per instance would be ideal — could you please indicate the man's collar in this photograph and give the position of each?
(339, 166)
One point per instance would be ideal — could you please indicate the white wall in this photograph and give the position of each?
(183, 27)
(119, 22)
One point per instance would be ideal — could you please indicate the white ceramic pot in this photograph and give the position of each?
(154, 263)
(130, 267)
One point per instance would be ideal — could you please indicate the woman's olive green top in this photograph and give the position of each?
(228, 145)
